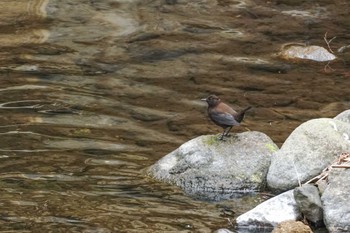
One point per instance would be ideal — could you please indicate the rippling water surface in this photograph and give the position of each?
(93, 92)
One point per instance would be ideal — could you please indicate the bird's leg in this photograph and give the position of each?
(227, 130)
(222, 135)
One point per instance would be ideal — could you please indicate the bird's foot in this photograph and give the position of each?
(221, 137)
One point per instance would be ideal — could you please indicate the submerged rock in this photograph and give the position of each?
(271, 212)
(309, 203)
(307, 151)
(206, 166)
(336, 199)
(223, 230)
(315, 53)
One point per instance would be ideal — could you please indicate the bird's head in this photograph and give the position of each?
(212, 100)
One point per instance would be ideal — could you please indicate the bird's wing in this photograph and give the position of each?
(223, 118)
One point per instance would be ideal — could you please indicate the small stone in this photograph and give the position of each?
(315, 53)
(223, 230)
(309, 203)
(292, 227)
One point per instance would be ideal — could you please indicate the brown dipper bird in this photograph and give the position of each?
(223, 115)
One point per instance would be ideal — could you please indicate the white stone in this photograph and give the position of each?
(271, 212)
(315, 53)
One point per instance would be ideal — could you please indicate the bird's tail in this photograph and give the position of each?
(240, 114)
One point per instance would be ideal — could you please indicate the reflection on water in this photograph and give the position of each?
(93, 92)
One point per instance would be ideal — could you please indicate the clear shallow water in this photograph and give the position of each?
(93, 92)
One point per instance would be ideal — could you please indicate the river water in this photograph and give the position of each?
(92, 92)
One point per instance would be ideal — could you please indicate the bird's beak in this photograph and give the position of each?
(204, 99)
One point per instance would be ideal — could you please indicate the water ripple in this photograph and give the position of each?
(93, 92)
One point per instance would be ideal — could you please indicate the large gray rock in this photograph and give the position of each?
(271, 212)
(309, 203)
(206, 166)
(344, 116)
(307, 151)
(336, 201)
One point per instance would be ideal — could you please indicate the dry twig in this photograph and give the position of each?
(327, 67)
(328, 42)
(230, 222)
(340, 162)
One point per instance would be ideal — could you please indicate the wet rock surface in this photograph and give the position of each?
(208, 168)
